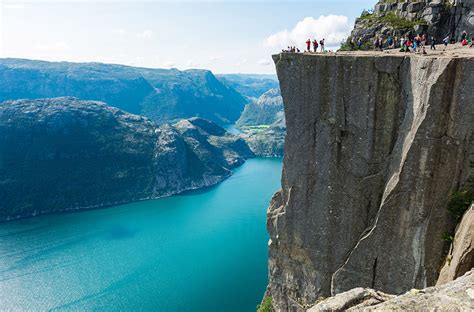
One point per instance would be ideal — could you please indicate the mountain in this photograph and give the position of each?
(265, 110)
(263, 124)
(65, 154)
(162, 95)
(250, 85)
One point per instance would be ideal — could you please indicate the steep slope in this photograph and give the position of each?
(161, 95)
(374, 148)
(64, 154)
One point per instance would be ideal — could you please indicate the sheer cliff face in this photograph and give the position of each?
(374, 146)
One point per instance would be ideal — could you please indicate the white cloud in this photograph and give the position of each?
(241, 62)
(53, 46)
(264, 62)
(214, 58)
(170, 64)
(146, 34)
(333, 28)
(17, 6)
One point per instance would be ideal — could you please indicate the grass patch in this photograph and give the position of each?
(265, 306)
(392, 20)
(460, 202)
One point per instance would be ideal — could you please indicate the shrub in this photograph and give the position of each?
(266, 305)
(448, 237)
(460, 202)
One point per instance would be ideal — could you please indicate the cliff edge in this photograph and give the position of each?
(376, 144)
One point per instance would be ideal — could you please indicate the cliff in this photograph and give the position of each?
(375, 145)
(66, 154)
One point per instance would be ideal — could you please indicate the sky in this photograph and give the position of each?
(221, 35)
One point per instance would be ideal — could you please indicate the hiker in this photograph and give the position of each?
(315, 45)
(359, 43)
(408, 45)
(402, 44)
(377, 44)
(308, 45)
(433, 43)
(464, 42)
(446, 42)
(390, 42)
(321, 43)
(463, 36)
(423, 40)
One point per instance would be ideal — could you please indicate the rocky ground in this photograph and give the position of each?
(456, 296)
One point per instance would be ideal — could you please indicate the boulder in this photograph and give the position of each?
(461, 254)
(457, 295)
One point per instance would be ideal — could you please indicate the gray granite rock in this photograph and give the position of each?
(375, 145)
(460, 258)
(456, 296)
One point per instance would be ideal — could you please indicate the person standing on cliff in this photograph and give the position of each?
(315, 45)
(308, 45)
(446, 42)
(463, 36)
(433, 43)
(359, 43)
(322, 44)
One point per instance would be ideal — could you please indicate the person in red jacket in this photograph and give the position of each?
(308, 45)
(315, 45)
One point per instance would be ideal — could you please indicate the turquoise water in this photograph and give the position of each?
(202, 251)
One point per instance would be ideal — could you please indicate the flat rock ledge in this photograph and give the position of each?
(457, 295)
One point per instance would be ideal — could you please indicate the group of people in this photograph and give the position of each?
(410, 43)
(416, 44)
(315, 45)
(465, 40)
(291, 49)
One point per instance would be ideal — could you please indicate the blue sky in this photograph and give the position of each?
(224, 36)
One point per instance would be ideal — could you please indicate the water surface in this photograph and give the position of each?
(202, 251)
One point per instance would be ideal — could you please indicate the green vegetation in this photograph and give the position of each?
(266, 305)
(448, 237)
(460, 202)
(255, 128)
(391, 19)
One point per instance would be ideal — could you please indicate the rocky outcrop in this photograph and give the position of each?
(460, 258)
(66, 154)
(457, 295)
(399, 18)
(375, 145)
